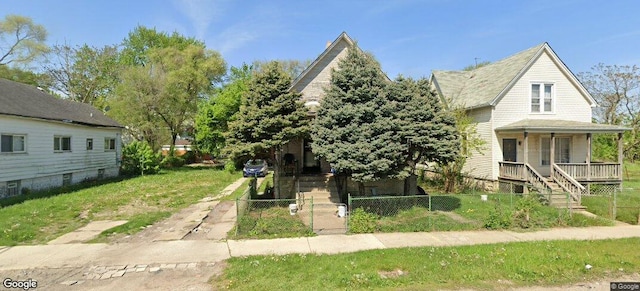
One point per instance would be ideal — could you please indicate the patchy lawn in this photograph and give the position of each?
(42, 216)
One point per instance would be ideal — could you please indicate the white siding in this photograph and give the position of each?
(569, 104)
(40, 167)
(479, 165)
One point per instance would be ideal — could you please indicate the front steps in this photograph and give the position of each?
(558, 198)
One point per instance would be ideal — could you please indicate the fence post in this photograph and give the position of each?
(430, 214)
(348, 211)
(311, 222)
(237, 215)
(615, 203)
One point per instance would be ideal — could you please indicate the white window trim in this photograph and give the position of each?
(542, 137)
(93, 145)
(553, 97)
(13, 151)
(60, 137)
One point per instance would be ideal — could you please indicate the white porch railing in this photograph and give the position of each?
(512, 170)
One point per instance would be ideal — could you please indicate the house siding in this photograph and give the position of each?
(312, 85)
(480, 164)
(40, 167)
(515, 105)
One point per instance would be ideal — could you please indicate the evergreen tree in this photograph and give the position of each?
(355, 129)
(429, 131)
(270, 116)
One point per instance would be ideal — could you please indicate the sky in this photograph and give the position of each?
(407, 37)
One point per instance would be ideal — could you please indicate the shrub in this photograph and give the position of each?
(138, 159)
(361, 221)
(498, 218)
(172, 161)
(230, 166)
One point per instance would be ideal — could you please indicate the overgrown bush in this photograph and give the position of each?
(230, 166)
(361, 221)
(138, 159)
(498, 218)
(172, 161)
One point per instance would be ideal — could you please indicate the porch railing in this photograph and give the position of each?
(512, 170)
(567, 183)
(535, 179)
(595, 171)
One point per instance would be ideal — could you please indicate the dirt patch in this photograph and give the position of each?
(457, 217)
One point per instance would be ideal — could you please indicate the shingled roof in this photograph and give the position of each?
(485, 86)
(17, 99)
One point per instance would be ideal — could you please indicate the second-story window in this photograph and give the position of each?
(541, 98)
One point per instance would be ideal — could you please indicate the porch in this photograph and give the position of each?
(546, 155)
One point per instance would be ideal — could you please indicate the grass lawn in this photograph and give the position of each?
(627, 202)
(485, 267)
(42, 216)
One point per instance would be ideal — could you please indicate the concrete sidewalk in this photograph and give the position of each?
(205, 251)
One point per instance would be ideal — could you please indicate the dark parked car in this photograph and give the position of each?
(255, 168)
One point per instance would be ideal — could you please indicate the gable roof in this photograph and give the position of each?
(342, 37)
(17, 99)
(485, 86)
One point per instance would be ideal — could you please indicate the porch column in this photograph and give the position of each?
(552, 152)
(588, 161)
(525, 159)
(620, 156)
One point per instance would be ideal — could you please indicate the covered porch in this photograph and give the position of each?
(556, 154)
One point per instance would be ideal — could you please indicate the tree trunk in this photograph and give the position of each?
(275, 155)
(361, 188)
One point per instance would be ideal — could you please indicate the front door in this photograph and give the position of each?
(509, 151)
(310, 163)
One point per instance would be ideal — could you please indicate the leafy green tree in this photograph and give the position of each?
(166, 91)
(617, 91)
(215, 113)
(270, 116)
(355, 129)
(25, 76)
(21, 40)
(84, 74)
(142, 39)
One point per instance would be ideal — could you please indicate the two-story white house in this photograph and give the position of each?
(535, 117)
(48, 142)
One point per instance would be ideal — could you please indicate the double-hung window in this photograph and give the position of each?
(13, 143)
(542, 98)
(562, 150)
(61, 143)
(109, 144)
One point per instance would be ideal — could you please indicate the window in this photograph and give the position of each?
(109, 144)
(100, 173)
(562, 150)
(89, 144)
(66, 179)
(61, 143)
(541, 98)
(12, 188)
(12, 143)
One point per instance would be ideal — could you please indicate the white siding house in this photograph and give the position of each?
(48, 142)
(535, 118)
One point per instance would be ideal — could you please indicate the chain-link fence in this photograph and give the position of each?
(467, 211)
(608, 200)
(270, 218)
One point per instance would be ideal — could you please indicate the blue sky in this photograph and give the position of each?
(407, 37)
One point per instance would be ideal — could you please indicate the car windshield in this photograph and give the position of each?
(255, 163)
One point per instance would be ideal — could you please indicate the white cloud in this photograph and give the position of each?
(201, 13)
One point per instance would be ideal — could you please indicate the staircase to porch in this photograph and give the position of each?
(554, 188)
(324, 206)
(558, 198)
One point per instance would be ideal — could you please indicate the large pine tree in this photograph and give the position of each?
(270, 116)
(355, 129)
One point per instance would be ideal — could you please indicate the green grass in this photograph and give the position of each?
(627, 201)
(270, 222)
(480, 267)
(40, 217)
